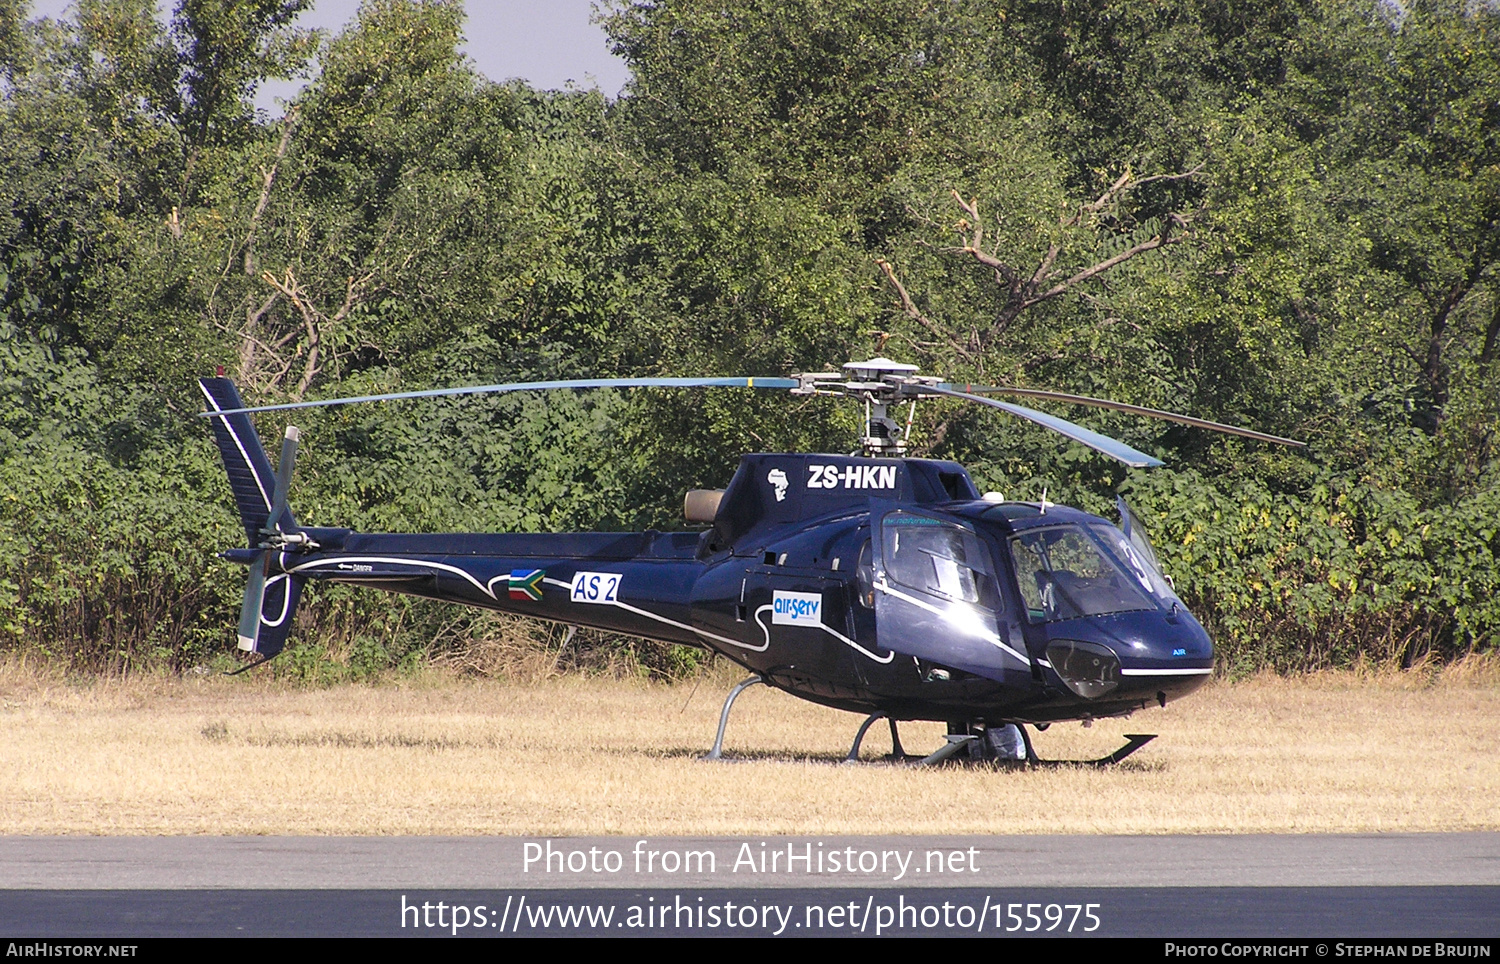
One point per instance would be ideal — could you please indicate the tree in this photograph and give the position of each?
(1101, 224)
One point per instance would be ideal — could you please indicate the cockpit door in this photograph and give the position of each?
(937, 594)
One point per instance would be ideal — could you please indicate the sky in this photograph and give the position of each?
(545, 42)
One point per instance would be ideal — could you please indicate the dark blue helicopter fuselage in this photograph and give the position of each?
(868, 585)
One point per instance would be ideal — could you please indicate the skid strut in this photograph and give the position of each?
(717, 753)
(897, 753)
(956, 742)
(1136, 741)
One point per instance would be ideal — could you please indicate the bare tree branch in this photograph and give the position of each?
(1492, 333)
(915, 313)
(248, 340)
(1434, 368)
(315, 323)
(268, 177)
(1160, 240)
(1021, 291)
(1127, 182)
(291, 289)
(248, 334)
(1103, 201)
(973, 245)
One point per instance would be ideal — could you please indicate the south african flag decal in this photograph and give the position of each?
(526, 583)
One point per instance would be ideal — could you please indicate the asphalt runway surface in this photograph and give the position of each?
(1405, 886)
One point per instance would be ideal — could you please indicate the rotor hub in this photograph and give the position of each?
(879, 383)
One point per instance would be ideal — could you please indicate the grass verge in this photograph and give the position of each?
(437, 753)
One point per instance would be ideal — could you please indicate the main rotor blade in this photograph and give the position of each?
(1114, 448)
(1124, 407)
(756, 382)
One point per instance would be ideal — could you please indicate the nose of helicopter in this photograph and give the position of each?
(1168, 654)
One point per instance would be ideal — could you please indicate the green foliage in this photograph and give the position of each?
(823, 97)
(1349, 573)
(227, 48)
(1305, 239)
(106, 533)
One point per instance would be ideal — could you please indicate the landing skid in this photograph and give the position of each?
(897, 754)
(1134, 742)
(960, 742)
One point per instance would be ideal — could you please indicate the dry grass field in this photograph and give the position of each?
(439, 754)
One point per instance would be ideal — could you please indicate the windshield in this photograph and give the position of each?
(1063, 574)
(1126, 551)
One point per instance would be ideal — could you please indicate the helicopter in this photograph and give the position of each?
(874, 583)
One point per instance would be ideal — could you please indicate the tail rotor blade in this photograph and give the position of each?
(283, 476)
(255, 594)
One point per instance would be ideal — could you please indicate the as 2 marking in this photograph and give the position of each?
(595, 587)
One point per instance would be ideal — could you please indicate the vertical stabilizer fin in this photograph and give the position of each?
(279, 597)
(260, 494)
(251, 477)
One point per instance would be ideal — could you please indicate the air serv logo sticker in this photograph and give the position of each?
(797, 608)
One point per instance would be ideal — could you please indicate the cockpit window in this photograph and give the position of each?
(1135, 532)
(1146, 570)
(1063, 574)
(937, 558)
